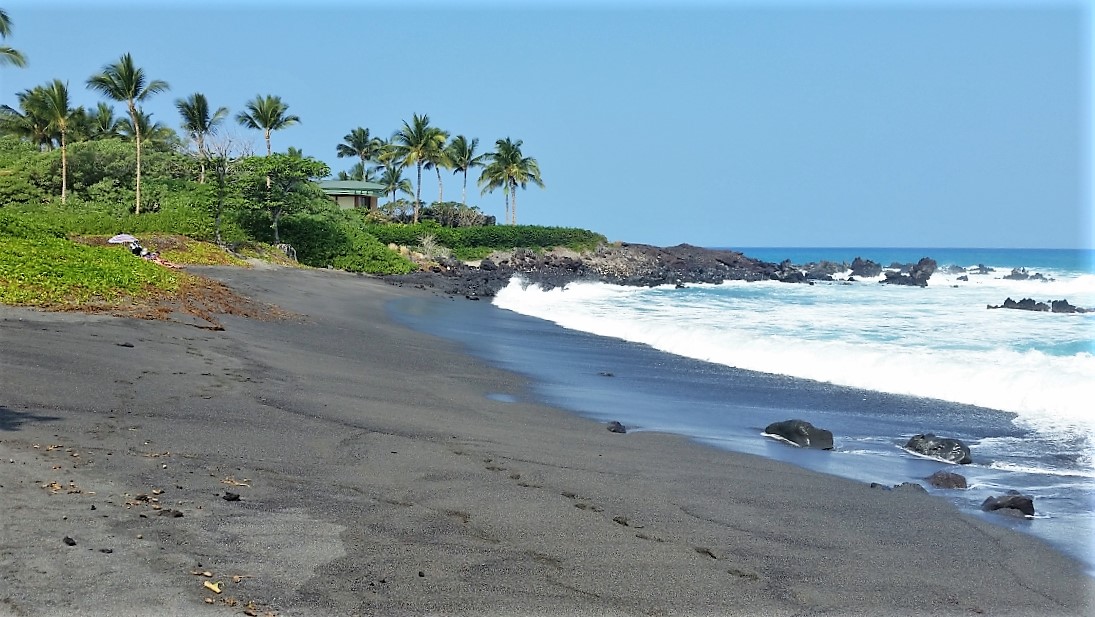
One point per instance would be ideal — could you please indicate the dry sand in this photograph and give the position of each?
(377, 478)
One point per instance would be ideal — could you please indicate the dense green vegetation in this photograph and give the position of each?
(39, 267)
(71, 172)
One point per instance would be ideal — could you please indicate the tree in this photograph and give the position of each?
(393, 182)
(148, 131)
(413, 145)
(266, 113)
(102, 124)
(224, 153)
(508, 168)
(200, 124)
(437, 158)
(59, 114)
(358, 143)
(359, 172)
(9, 55)
(31, 121)
(462, 157)
(278, 183)
(124, 81)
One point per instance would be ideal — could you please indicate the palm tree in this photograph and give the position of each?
(7, 54)
(437, 157)
(59, 114)
(413, 145)
(359, 172)
(462, 157)
(103, 124)
(32, 122)
(266, 113)
(393, 182)
(508, 169)
(359, 143)
(147, 130)
(199, 124)
(124, 81)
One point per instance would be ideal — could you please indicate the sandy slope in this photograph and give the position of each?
(375, 477)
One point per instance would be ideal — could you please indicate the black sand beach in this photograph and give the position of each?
(375, 476)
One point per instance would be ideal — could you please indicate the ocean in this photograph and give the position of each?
(873, 363)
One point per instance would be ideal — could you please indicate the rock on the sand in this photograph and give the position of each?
(1012, 502)
(801, 433)
(947, 479)
(944, 448)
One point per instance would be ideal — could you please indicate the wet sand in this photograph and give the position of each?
(376, 476)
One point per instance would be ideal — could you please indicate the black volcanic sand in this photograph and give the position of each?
(376, 477)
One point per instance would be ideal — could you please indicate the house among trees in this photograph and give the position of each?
(353, 193)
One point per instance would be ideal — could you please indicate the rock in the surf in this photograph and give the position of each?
(945, 448)
(917, 275)
(947, 479)
(801, 433)
(1012, 502)
(865, 268)
(616, 427)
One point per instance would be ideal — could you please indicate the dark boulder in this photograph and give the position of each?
(1026, 304)
(912, 487)
(981, 269)
(801, 433)
(787, 272)
(954, 269)
(1062, 306)
(964, 278)
(616, 427)
(865, 268)
(917, 276)
(1012, 502)
(947, 479)
(1017, 274)
(945, 448)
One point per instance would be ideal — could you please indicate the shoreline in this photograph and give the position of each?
(382, 476)
(727, 407)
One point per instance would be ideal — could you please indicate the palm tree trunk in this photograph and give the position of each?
(418, 193)
(137, 134)
(464, 193)
(268, 151)
(201, 160)
(64, 168)
(513, 189)
(440, 197)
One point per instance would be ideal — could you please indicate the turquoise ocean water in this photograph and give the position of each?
(874, 363)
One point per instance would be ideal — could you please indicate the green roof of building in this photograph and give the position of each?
(352, 187)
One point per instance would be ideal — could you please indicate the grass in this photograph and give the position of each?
(56, 273)
(174, 248)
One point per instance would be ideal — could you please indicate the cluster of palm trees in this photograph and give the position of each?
(428, 147)
(46, 118)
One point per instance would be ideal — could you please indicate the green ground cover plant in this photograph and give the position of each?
(53, 272)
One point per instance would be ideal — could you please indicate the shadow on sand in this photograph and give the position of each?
(11, 420)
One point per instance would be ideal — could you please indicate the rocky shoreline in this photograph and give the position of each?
(640, 265)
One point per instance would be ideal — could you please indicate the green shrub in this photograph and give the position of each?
(336, 239)
(491, 236)
(13, 225)
(48, 271)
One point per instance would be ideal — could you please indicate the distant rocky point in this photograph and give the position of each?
(1029, 304)
(641, 265)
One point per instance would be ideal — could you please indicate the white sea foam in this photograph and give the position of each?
(937, 342)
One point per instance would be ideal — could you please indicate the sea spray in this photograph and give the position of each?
(940, 342)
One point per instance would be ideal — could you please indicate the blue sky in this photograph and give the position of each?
(806, 123)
